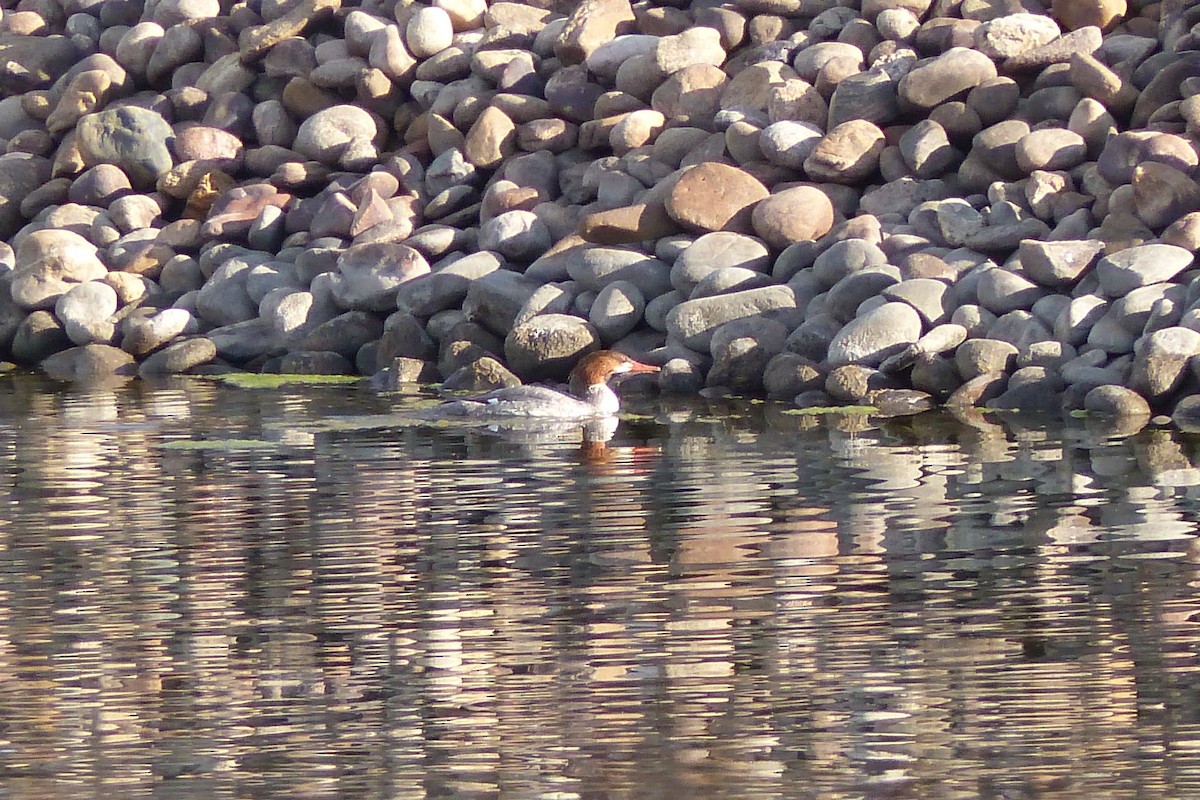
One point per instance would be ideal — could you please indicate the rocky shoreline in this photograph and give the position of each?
(974, 202)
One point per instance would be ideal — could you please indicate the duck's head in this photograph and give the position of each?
(596, 368)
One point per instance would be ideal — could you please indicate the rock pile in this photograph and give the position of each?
(985, 201)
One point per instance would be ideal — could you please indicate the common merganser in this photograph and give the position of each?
(590, 397)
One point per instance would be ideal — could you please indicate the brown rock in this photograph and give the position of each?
(799, 214)
(627, 224)
(847, 154)
(591, 24)
(256, 42)
(1163, 194)
(1075, 14)
(715, 197)
(491, 139)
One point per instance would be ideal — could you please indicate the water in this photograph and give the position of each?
(211, 592)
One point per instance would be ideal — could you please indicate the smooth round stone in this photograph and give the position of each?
(741, 350)
(329, 134)
(179, 357)
(730, 279)
(135, 212)
(428, 32)
(1001, 291)
(788, 143)
(713, 197)
(856, 288)
(711, 252)
(145, 334)
(99, 186)
(694, 321)
(86, 311)
(953, 73)
(1050, 149)
(798, 214)
(206, 143)
(517, 235)
(548, 346)
(927, 151)
(976, 357)
(617, 311)
(844, 258)
(371, 275)
(870, 338)
(1076, 14)
(927, 295)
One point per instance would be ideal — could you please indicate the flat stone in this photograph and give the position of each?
(954, 72)
(694, 321)
(371, 275)
(1058, 264)
(1126, 270)
(871, 337)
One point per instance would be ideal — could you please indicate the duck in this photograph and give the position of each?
(588, 394)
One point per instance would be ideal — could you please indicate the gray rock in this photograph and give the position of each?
(343, 334)
(852, 291)
(341, 135)
(37, 337)
(86, 312)
(371, 275)
(1058, 264)
(658, 309)
(789, 142)
(547, 347)
(1116, 401)
(1001, 291)
(481, 375)
(872, 337)
(90, 362)
(494, 300)
(730, 279)
(1019, 328)
(693, 322)
(927, 295)
(144, 333)
(404, 337)
(132, 138)
(446, 287)
(179, 357)
(550, 298)
(788, 374)
(741, 350)
(244, 341)
(310, 362)
(853, 383)
(812, 337)
(976, 357)
(617, 311)
(1031, 389)
(596, 267)
(49, 263)
(939, 79)
(1074, 323)
(223, 300)
(1126, 270)
(713, 251)
(845, 257)
(517, 235)
(1161, 363)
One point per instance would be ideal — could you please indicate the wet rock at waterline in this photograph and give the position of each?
(985, 206)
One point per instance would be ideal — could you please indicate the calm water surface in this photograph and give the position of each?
(212, 592)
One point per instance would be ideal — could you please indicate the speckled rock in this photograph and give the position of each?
(548, 346)
(714, 197)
